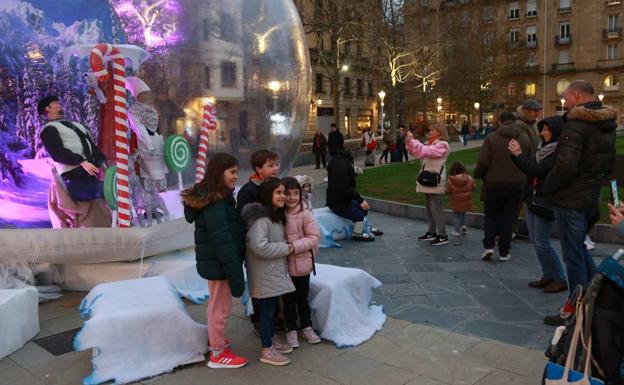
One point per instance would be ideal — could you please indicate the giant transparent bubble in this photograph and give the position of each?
(250, 56)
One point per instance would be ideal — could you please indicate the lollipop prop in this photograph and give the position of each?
(209, 123)
(177, 155)
(110, 192)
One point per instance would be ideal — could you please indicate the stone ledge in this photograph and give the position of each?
(600, 233)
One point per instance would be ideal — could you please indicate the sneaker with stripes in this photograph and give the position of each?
(226, 360)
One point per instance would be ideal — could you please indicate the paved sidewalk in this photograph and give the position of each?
(402, 353)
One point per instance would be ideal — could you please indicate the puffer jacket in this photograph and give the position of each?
(267, 269)
(219, 240)
(585, 157)
(460, 187)
(304, 234)
(341, 190)
(433, 158)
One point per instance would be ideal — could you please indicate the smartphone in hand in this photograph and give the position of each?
(614, 193)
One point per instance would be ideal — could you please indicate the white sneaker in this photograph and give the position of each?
(464, 230)
(455, 233)
(487, 255)
(589, 244)
(292, 339)
(504, 258)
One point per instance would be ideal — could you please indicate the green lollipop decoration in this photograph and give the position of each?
(177, 155)
(110, 187)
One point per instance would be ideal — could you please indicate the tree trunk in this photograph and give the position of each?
(335, 82)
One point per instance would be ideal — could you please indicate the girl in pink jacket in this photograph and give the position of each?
(303, 233)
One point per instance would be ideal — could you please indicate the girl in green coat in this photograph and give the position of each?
(219, 250)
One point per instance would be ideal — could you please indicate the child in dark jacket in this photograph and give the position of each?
(265, 164)
(460, 186)
(219, 250)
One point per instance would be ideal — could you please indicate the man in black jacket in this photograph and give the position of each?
(585, 157)
(335, 140)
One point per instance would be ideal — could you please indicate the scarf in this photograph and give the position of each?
(433, 138)
(545, 151)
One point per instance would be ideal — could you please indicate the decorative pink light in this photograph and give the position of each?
(153, 23)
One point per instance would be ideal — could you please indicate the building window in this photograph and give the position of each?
(564, 31)
(206, 29)
(562, 85)
(359, 87)
(531, 8)
(370, 89)
(564, 6)
(228, 74)
(531, 36)
(489, 14)
(227, 27)
(530, 89)
(613, 24)
(319, 83)
(511, 89)
(358, 49)
(564, 56)
(347, 86)
(610, 81)
(514, 10)
(207, 77)
(424, 3)
(531, 60)
(513, 36)
(612, 52)
(347, 48)
(320, 42)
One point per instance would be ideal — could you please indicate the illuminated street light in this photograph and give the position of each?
(600, 97)
(382, 95)
(319, 101)
(345, 67)
(275, 86)
(439, 100)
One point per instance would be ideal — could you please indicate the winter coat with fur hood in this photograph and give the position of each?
(267, 269)
(585, 157)
(219, 240)
(460, 187)
(304, 234)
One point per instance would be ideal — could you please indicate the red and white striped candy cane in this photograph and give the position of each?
(209, 123)
(98, 67)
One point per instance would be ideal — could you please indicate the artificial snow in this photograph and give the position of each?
(180, 268)
(340, 301)
(335, 228)
(138, 329)
(19, 318)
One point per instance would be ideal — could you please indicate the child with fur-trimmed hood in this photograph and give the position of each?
(306, 183)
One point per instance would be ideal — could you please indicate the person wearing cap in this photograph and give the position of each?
(503, 184)
(539, 213)
(76, 157)
(527, 117)
(143, 120)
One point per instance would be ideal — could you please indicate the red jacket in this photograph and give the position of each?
(460, 187)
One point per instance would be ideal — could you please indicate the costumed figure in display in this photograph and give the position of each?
(76, 195)
(143, 120)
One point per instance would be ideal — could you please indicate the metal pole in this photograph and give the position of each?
(382, 118)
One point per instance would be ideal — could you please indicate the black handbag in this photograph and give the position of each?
(541, 207)
(428, 178)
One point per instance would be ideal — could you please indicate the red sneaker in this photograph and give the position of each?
(226, 360)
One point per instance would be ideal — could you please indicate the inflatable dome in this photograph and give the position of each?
(247, 58)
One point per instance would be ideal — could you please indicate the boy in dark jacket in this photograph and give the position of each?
(265, 164)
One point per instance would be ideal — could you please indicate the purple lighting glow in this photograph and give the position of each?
(153, 24)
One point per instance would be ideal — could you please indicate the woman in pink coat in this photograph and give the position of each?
(433, 158)
(303, 233)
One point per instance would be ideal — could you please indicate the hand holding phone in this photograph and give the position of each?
(614, 193)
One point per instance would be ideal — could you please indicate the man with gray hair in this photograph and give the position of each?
(585, 157)
(527, 115)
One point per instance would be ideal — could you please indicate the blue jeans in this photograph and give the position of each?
(572, 229)
(539, 235)
(267, 308)
(460, 220)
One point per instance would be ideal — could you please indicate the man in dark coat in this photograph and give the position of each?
(585, 158)
(335, 140)
(319, 148)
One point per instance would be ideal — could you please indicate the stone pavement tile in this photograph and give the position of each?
(452, 300)
(500, 377)
(65, 306)
(433, 317)
(401, 289)
(356, 369)
(63, 323)
(438, 287)
(31, 355)
(407, 260)
(450, 369)
(394, 278)
(505, 332)
(497, 298)
(450, 256)
(462, 266)
(538, 297)
(13, 374)
(432, 339)
(68, 369)
(423, 267)
(516, 283)
(518, 360)
(382, 346)
(390, 305)
(197, 312)
(422, 380)
(521, 313)
(394, 268)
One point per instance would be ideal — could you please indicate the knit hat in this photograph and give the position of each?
(555, 125)
(136, 86)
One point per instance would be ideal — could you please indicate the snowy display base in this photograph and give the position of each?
(180, 268)
(340, 301)
(19, 318)
(137, 329)
(334, 228)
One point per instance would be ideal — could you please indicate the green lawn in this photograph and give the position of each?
(397, 181)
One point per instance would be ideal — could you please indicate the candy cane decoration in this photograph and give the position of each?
(96, 59)
(209, 123)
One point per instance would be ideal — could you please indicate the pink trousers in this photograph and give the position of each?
(219, 309)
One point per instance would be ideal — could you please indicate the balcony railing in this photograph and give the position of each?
(612, 33)
(531, 44)
(563, 66)
(563, 40)
(610, 63)
(613, 2)
(565, 10)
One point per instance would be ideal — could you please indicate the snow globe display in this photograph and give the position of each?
(248, 60)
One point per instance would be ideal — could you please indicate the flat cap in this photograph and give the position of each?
(532, 104)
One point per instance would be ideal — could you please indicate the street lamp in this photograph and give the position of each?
(319, 101)
(562, 105)
(345, 67)
(382, 95)
(439, 100)
(275, 86)
(477, 105)
(600, 97)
